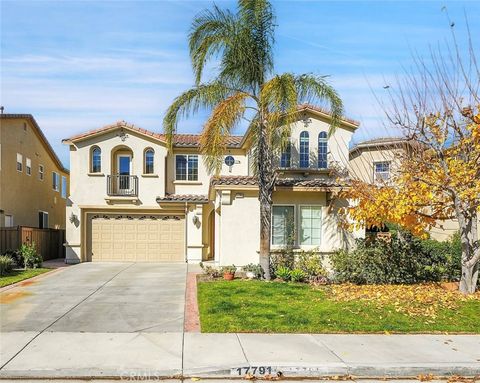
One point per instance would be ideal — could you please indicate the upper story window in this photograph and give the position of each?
(28, 166)
(96, 160)
(64, 187)
(304, 150)
(41, 172)
(56, 181)
(19, 162)
(322, 150)
(148, 161)
(286, 157)
(186, 167)
(381, 171)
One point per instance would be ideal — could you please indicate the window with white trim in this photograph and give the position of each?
(148, 161)
(96, 160)
(381, 171)
(304, 149)
(8, 220)
(42, 220)
(41, 171)
(64, 187)
(310, 225)
(286, 156)
(283, 225)
(28, 166)
(322, 150)
(56, 181)
(19, 162)
(186, 167)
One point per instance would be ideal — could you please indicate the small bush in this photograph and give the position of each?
(31, 259)
(311, 264)
(16, 257)
(228, 269)
(405, 259)
(283, 258)
(297, 275)
(6, 265)
(211, 271)
(257, 270)
(283, 273)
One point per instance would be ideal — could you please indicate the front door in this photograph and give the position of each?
(124, 163)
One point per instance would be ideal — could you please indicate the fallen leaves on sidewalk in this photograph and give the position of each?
(424, 300)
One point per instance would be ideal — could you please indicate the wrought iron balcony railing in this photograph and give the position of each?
(122, 185)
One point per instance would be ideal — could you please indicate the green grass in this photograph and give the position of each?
(19, 275)
(256, 306)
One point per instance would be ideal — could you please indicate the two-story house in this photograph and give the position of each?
(133, 200)
(378, 161)
(33, 181)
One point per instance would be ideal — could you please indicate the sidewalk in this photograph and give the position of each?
(154, 355)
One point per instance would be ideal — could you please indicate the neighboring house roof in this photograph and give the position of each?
(380, 142)
(198, 198)
(179, 140)
(287, 182)
(43, 139)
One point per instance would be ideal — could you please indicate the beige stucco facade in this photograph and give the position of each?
(221, 219)
(23, 192)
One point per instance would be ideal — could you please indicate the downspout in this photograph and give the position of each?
(186, 232)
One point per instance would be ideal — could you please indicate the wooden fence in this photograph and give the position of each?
(48, 242)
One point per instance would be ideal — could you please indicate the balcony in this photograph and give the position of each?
(122, 186)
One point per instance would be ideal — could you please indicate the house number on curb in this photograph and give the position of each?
(253, 370)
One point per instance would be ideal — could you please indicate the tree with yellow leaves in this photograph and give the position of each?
(438, 108)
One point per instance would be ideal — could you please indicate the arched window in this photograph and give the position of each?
(322, 150)
(304, 150)
(286, 157)
(96, 160)
(148, 161)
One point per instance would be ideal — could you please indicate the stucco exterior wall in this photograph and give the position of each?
(22, 195)
(361, 164)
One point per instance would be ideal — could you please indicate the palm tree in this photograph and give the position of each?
(245, 87)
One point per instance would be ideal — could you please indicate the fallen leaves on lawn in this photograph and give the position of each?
(425, 377)
(419, 300)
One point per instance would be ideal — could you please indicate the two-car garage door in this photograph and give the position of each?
(137, 238)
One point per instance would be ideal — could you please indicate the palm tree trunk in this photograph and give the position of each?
(266, 183)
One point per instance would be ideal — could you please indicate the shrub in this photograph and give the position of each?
(282, 258)
(297, 275)
(257, 270)
(31, 259)
(211, 271)
(15, 256)
(6, 265)
(283, 273)
(310, 263)
(405, 259)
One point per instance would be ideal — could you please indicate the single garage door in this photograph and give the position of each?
(138, 239)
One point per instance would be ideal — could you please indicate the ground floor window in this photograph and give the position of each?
(42, 220)
(310, 225)
(283, 225)
(8, 220)
(304, 230)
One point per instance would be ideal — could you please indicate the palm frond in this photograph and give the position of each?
(312, 89)
(211, 32)
(205, 96)
(213, 140)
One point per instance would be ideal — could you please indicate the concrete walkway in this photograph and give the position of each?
(126, 321)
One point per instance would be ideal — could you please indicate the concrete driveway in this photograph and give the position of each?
(99, 297)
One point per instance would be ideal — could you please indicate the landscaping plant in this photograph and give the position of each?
(6, 265)
(31, 259)
(253, 271)
(228, 272)
(283, 273)
(297, 275)
(211, 271)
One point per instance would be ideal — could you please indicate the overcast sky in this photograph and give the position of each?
(79, 65)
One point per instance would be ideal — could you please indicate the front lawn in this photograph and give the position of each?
(19, 275)
(257, 306)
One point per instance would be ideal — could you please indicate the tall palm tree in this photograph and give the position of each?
(245, 87)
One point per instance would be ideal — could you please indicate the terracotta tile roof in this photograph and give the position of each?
(325, 111)
(180, 140)
(381, 142)
(287, 182)
(29, 117)
(199, 198)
